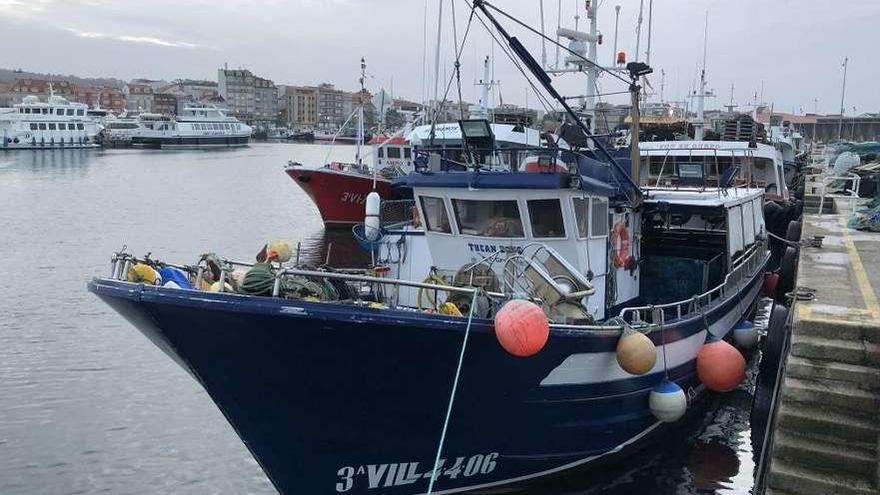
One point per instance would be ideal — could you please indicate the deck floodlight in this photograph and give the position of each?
(638, 69)
(477, 133)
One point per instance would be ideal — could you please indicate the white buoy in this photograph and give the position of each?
(745, 334)
(667, 401)
(371, 220)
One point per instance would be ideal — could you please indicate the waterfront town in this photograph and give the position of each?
(265, 105)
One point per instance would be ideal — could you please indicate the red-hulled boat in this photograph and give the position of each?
(339, 190)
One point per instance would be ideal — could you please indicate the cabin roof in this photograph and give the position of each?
(504, 133)
(690, 148)
(709, 197)
(486, 180)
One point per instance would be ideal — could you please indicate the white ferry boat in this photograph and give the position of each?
(195, 127)
(51, 124)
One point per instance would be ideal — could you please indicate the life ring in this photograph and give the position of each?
(620, 244)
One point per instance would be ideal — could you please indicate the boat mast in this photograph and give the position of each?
(842, 98)
(583, 60)
(360, 125)
(485, 84)
(437, 55)
(637, 70)
(699, 122)
(616, 25)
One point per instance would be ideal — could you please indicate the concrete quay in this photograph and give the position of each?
(827, 427)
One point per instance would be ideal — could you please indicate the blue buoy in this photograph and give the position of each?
(667, 401)
(745, 334)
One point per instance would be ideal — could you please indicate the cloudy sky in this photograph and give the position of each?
(794, 47)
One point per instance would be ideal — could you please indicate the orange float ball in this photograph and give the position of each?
(521, 328)
(720, 366)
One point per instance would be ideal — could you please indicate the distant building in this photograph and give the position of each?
(165, 103)
(334, 106)
(301, 106)
(512, 114)
(194, 89)
(106, 97)
(250, 98)
(40, 88)
(138, 97)
(7, 97)
(409, 109)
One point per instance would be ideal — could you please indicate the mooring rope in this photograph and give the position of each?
(467, 331)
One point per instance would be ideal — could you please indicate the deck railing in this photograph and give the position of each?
(851, 194)
(743, 269)
(643, 318)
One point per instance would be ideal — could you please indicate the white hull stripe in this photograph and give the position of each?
(601, 367)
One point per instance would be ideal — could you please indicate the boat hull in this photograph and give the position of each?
(334, 398)
(340, 196)
(189, 142)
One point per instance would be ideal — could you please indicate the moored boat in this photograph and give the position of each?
(563, 322)
(196, 127)
(56, 123)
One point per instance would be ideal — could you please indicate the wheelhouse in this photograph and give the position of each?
(716, 164)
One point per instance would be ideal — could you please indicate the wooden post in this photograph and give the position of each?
(634, 133)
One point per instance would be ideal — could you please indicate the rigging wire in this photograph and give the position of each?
(535, 31)
(440, 105)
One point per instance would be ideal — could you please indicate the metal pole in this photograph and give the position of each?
(616, 24)
(437, 53)
(543, 40)
(634, 132)
(650, 17)
(842, 96)
(592, 70)
(639, 30)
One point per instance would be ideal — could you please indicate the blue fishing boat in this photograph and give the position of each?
(519, 323)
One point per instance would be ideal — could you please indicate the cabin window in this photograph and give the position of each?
(79, 127)
(393, 152)
(33, 127)
(546, 218)
(51, 126)
(407, 153)
(599, 218)
(435, 214)
(80, 112)
(45, 111)
(62, 127)
(59, 111)
(488, 218)
(581, 215)
(69, 111)
(381, 153)
(42, 126)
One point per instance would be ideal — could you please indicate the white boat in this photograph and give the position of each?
(195, 127)
(51, 124)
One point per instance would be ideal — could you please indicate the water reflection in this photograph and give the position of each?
(58, 160)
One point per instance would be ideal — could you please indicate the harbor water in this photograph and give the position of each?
(88, 405)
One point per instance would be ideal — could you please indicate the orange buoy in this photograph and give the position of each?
(720, 366)
(636, 354)
(521, 327)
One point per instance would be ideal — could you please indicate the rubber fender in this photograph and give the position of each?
(787, 269)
